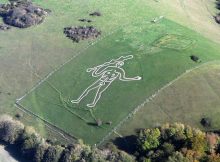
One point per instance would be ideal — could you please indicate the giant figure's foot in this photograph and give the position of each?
(75, 101)
(91, 105)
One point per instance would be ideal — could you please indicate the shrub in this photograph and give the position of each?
(199, 142)
(148, 139)
(194, 58)
(66, 156)
(39, 151)
(168, 148)
(29, 145)
(10, 130)
(50, 154)
(177, 157)
(206, 122)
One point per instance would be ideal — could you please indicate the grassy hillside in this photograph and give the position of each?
(161, 53)
(193, 97)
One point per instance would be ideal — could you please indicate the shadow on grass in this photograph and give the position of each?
(92, 124)
(127, 143)
(14, 152)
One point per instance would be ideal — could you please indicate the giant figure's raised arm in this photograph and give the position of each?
(122, 76)
(99, 70)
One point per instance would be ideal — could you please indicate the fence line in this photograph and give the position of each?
(53, 127)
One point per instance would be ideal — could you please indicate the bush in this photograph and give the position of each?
(52, 154)
(10, 130)
(66, 156)
(148, 139)
(28, 146)
(206, 122)
(39, 151)
(22, 13)
(198, 142)
(177, 157)
(194, 58)
(168, 149)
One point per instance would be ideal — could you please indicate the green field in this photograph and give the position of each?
(161, 53)
(188, 100)
(156, 65)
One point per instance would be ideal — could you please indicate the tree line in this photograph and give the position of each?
(167, 143)
(34, 148)
(176, 143)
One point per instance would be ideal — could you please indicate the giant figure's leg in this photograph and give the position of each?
(87, 90)
(101, 89)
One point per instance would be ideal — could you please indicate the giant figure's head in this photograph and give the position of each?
(119, 64)
(120, 61)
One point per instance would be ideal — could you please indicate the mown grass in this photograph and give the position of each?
(193, 97)
(27, 53)
(42, 48)
(156, 65)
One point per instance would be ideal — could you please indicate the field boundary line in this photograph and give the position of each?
(148, 99)
(53, 127)
(132, 113)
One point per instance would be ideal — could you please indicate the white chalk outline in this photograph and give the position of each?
(76, 55)
(18, 100)
(108, 72)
